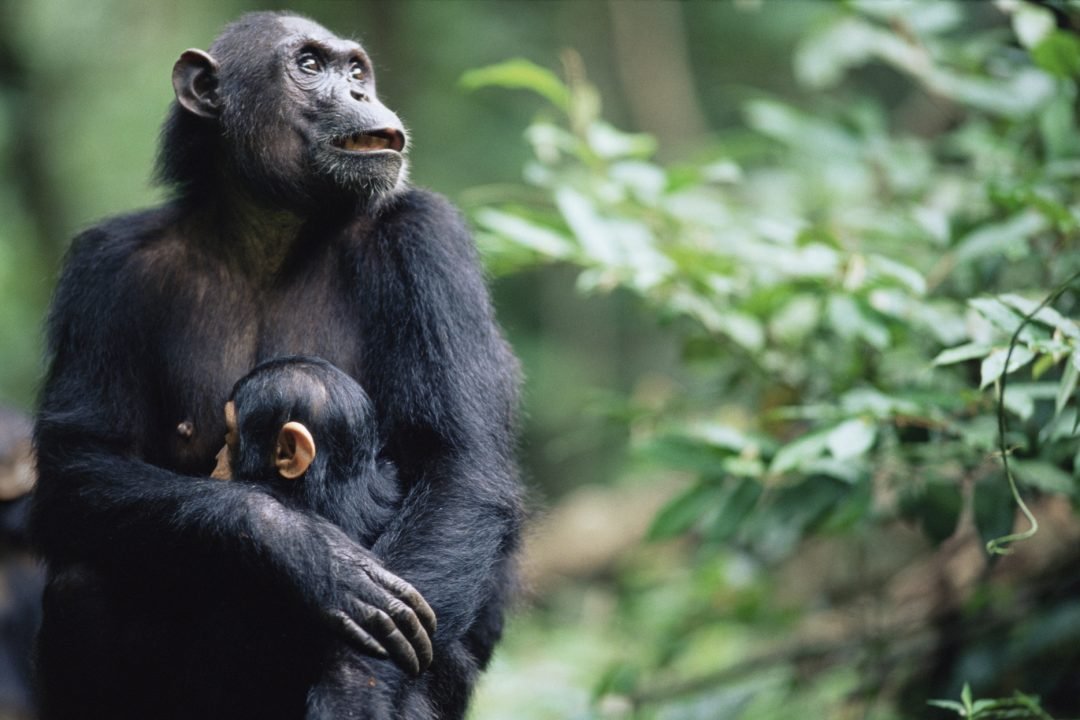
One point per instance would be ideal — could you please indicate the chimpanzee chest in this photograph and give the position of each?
(215, 339)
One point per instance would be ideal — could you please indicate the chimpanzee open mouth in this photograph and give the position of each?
(372, 140)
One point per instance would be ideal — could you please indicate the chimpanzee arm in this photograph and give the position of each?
(445, 387)
(98, 503)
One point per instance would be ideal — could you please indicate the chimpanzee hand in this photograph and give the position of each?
(374, 610)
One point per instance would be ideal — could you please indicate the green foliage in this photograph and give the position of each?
(845, 280)
(1018, 707)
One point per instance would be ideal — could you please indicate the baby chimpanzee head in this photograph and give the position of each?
(297, 416)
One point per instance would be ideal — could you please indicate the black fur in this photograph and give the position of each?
(347, 483)
(263, 253)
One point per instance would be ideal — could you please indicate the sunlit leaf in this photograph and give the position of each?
(849, 321)
(800, 451)
(948, 705)
(645, 180)
(868, 401)
(1019, 403)
(993, 367)
(611, 143)
(723, 171)
(1000, 314)
(905, 274)
(822, 59)
(969, 351)
(1010, 236)
(1023, 94)
(520, 74)
(530, 235)
(930, 18)
(790, 126)
(743, 329)
(1032, 24)
(1046, 315)
(851, 438)
(587, 224)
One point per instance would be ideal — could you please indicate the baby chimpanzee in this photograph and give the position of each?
(306, 431)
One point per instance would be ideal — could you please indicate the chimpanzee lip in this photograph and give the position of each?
(368, 141)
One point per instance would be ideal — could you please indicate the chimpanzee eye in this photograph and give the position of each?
(309, 62)
(357, 71)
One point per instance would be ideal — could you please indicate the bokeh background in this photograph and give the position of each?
(774, 269)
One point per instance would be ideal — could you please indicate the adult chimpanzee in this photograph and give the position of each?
(292, 231)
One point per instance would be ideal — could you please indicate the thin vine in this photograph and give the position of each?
(1002, 545)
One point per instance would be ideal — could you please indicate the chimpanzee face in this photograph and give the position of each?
(298, 119)
(348, 138)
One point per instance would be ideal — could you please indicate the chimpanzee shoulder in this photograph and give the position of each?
(95, 276)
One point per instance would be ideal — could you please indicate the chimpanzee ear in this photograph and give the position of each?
(295, 450)
(195, 80)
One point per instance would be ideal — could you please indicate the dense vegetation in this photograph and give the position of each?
(851, 282)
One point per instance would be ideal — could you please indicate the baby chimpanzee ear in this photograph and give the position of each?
(295, 450)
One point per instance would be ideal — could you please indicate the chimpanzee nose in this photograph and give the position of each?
(357, 95)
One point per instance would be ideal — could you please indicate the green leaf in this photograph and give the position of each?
(1019, 402)
(735, 508)
(851, 438)
(1066, 387)
(1032, 24)
(1044, 476)
(849, 320)
(520, 74)
(1005, 238)
(681, 513)
(1046, 315)
(908, 276)
(999, 314)
(798, 452)
(587, 224)
(1057, 125)
(719, 435)
(993, 367)
(1059, 54)
(609, 143)
(948, 705)
(822, 59)
(1016, 97)
(962, 353)
(528, 234)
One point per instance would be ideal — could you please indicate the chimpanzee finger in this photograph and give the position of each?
(411, 626)
(408, 595)
(390, 637)
(356, 635)
(397, 616)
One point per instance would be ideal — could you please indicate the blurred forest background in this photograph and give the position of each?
(769, 266)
